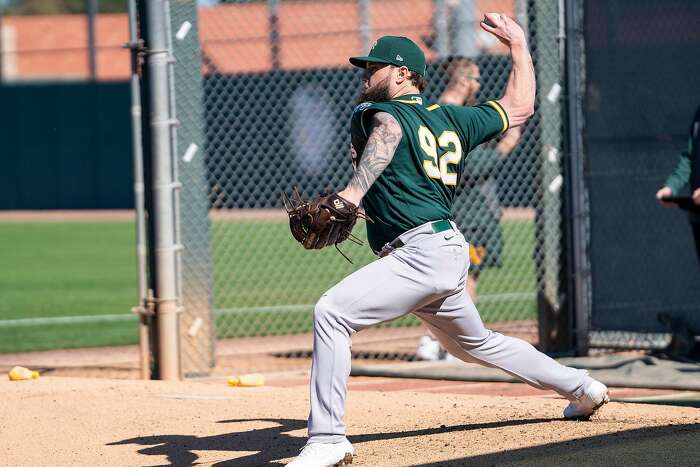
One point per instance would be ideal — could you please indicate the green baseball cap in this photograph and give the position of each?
(394, 50)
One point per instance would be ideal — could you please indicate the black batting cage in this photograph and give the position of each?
(632, 277)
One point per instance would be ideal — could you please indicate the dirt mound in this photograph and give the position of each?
(75, 421)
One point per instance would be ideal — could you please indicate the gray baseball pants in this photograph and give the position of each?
(425, 277)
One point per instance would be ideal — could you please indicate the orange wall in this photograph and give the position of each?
(234, 38)
(56, 46)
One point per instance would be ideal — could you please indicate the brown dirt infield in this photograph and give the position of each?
(72, 421)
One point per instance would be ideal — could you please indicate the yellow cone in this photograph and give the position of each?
(19, 373)
(250, 380)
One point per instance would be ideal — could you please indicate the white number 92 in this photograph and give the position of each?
(436, 167)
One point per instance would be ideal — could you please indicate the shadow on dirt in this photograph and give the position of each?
(655, 445)
(665, 445)
(272, 444)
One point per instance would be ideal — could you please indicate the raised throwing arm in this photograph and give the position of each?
(519, 98)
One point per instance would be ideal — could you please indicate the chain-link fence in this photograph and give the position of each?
(264, 95)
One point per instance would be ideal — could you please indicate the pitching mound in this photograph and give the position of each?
(71, 421)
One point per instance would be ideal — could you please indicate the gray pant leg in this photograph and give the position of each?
(383, 290)
(456, 323)
(428, 274)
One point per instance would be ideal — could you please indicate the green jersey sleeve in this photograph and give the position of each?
(480, 123)
(361, 123)
(358, 130)
(679, 178)
(681, 175)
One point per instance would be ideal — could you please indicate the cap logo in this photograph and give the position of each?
(399, 58)
(338, 204)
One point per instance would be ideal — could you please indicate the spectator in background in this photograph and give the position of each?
(687, 173)
(476, 207)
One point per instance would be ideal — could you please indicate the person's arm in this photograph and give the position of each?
(382, 142)
(509, 141)
(678, 178)
(676, 181)
(519, 98)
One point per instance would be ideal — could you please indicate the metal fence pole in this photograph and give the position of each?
(163, 186)
(546, 37)
(141, 309)
(274, 25)
(578, 272)
(464, 40)
(365, 25)
(441, 29)
(92, 52)
(521, 15)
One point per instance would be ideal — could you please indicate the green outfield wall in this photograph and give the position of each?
(65, 146)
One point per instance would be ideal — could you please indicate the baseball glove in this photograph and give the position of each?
(321, 222)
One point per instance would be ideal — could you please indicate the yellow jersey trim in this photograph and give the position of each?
(432, 107)
(501, 112)
(404, 101)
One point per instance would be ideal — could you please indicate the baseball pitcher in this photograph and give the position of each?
(410, 156)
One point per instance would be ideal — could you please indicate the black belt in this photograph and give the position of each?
(438, 226)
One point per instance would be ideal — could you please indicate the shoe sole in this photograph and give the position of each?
(347, 460)
(605, 400)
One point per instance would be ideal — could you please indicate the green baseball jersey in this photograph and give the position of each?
(418, 186)
(476, 201)
(689, 158)
(681, 175)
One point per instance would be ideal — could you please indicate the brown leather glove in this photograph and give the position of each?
(321, 222)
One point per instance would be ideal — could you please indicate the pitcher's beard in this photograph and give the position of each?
(378, 93)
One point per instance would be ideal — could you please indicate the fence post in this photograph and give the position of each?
(141, 309)
(577, 272)
(163, 186)
(547, 36)
(365, 25)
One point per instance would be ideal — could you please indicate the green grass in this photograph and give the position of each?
(83, 269)
(66, 269)
(515, 276)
